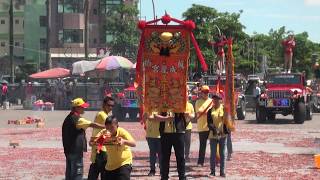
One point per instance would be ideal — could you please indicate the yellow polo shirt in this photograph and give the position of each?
(218, 119)
(100, 119)
(152, 127)
(118, 155)
(189, 110)
(83, 123)
(200, 106)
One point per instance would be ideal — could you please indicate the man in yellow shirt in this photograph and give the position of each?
(218, 132)
(187, 135)
(98, 160)
(153, 139)
(74, 139)
(119, 158)
(202, 106)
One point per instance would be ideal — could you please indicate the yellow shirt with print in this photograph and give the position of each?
(189, 110)
(152, 127)
(118, 155)
(218, 120)
(200, 106)
(100, 119)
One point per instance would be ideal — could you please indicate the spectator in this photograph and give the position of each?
(4, 93)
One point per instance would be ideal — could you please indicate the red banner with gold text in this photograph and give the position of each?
(165, 66)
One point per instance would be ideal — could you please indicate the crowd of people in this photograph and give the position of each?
(111, 156)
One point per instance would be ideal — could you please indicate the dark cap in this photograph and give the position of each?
(216, 96)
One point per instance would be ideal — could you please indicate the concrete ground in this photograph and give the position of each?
(276, 150)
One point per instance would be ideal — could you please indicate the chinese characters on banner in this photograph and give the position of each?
(165, 67)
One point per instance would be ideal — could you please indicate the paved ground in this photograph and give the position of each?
(278, 150)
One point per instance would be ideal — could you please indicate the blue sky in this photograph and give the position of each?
(258, 15)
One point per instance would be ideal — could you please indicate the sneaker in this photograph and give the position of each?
(212, 174)
(152, 173)
(289, 71)
(200, 165)
(222, 174)
(229, 157)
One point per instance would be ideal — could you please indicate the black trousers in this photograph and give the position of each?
(203, 137)
(122, 173)
(187, 141)
(74, 166)
(177, 141)
(98, 167)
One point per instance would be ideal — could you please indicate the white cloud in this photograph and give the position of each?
(312, 2)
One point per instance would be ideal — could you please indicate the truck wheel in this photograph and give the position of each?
(299, 114)
(315, 104)
(241, 111)
(309, 112)
(133, 112)
(261, 114)
(271, 117)
(122, 114)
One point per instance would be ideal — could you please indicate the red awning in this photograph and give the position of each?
(51, 73)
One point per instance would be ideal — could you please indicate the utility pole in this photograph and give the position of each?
(86, 12)
(11, 40)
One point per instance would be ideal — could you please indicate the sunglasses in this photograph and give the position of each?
(110, 105)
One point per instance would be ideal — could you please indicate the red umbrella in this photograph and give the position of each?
(51, 73)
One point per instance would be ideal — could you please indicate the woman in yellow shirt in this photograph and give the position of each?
(218, 133)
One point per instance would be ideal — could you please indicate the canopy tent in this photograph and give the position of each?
(51, 73)
(80, 67)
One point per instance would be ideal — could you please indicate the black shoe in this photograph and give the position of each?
(229, 157)
(212, 174)
(152, 173)
(222, 174)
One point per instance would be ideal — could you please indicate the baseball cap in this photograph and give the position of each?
(204, 88)
(79, 102)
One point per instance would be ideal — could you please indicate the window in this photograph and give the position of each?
(16, 21)
(43, 43)
(3, 44)
(17, 44)
(70, 6)
(73, 36)
(43, 21)
(3, 21)
(106, 5)
(60, 36)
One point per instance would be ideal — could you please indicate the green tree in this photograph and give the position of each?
(207, 20)
(121, 23)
